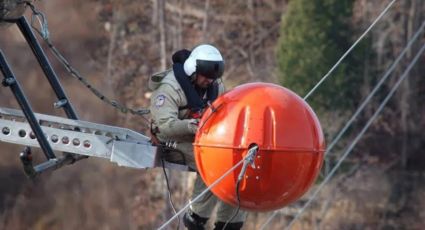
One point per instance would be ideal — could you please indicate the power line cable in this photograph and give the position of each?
(252, 151)
(44, 33)
(349, 50)
(350, 148)
(249, 160)
(305, 98)
(376, 88)
(347, 152)
(361, 107)
(199, 196)
(170, 197)
(366, 101)
(372, 93)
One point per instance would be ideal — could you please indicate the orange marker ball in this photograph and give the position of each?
(283, 126)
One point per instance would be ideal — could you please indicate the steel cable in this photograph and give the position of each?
(305, 98)
(350, 148)
(349, 50)
(145, 111)
(44, 33)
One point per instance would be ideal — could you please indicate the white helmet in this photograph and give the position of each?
(205, 60)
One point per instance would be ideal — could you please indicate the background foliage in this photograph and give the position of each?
(118, 44)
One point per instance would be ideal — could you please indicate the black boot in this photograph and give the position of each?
(230, 226)
(194, 222)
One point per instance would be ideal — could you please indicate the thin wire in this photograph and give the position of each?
(354, 116)
(238, 205)
(366, 101)
(122, 108)
(170, 198)
(382, 105)
(375, 89)
(44, 33)
(349, 50)
(203, 193)
(309, 93)
(350, 148)
(70, 69)
(248, 160)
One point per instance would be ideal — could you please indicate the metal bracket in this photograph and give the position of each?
(63, 102)
(76, 139)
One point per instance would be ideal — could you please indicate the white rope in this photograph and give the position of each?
(350, 148)
(349, 50)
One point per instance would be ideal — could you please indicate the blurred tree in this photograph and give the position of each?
(314, 35)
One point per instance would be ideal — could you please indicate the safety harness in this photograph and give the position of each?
(195, 103)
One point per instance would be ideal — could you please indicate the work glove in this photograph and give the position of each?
(196, 115)
(193, 125)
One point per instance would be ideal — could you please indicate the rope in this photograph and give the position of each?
(350, 148)
(44, 33)
(349, 50)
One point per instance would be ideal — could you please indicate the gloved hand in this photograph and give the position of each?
(196, 115)
(193, 125)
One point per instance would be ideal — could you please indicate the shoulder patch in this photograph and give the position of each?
(159, 100)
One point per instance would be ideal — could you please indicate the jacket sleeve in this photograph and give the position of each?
(165, 109)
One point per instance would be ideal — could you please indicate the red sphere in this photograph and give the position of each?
(281, 124)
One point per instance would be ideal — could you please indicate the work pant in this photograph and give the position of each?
(206, 203)
(204, 206)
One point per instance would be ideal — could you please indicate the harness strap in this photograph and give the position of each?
(194, 101)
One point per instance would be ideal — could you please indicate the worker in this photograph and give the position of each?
(179, 97)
